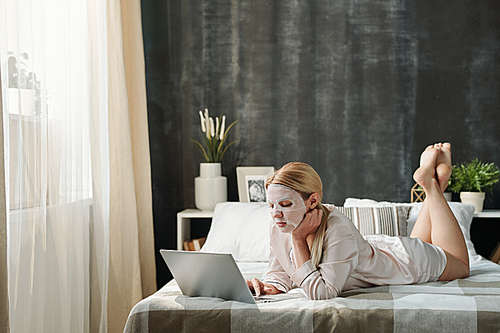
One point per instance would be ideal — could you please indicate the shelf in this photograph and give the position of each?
(184, 223)
(195, 213)
(488, 213)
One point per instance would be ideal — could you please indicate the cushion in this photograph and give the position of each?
(463, 213)
(412, 217)
(241, 229)
(390, 220)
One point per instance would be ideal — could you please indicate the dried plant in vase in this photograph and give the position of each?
(211, 186)
(215, 137)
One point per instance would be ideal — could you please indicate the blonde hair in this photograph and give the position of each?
(305, 180)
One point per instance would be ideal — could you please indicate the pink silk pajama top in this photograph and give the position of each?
(351, 260)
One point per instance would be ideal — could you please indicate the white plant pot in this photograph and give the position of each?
(210, 187)
(447, 196)
(474, 198)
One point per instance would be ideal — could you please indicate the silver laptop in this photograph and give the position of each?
(208, 274)
(212, 275)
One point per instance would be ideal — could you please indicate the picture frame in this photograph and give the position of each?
(251, 183)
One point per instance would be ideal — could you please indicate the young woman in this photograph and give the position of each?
(320, 250)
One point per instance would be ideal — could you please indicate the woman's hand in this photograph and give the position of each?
(258, 288)
(309, 225)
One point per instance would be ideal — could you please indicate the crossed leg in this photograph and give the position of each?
(436, 223)
(422, 228)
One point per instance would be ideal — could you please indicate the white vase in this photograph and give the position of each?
(474, 198)
(210, 187)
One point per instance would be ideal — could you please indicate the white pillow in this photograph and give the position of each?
(463, 213)
(241, 229)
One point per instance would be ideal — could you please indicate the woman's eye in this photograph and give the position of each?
(286, 204)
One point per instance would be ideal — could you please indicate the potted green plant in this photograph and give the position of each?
(472, 179)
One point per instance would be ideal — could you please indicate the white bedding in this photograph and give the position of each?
(465, 305)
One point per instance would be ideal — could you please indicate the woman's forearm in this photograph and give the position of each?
(301, 251)
(306, 230)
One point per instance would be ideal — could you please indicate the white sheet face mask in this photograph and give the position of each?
(286, 206)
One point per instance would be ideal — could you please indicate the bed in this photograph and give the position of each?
(465, 305)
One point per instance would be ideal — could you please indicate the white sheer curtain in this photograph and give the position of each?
(54, 87)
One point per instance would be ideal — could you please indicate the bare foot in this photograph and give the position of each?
(423, 156)
(426, 174)
(443, 165)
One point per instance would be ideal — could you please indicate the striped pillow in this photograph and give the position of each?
(378, 220)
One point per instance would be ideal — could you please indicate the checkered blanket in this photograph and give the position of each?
(464, 305)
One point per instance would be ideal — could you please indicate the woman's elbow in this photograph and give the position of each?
(325, 293)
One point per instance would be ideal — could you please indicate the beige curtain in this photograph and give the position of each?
(4, 287)
(132, 272)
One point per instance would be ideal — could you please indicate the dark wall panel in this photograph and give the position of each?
(355, 88)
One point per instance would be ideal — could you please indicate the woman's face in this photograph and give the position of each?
(286, 206)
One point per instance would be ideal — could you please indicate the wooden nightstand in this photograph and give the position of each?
(184, 223)
(485, 231)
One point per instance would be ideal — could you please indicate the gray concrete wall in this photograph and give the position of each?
(355, 88)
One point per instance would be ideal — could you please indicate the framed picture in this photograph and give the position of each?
(251, 183)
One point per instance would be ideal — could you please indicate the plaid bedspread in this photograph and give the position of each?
(464, 305)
